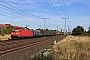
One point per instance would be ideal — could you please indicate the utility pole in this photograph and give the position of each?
(65, 23)
(69, 28)
(57, 27)
(44, 24)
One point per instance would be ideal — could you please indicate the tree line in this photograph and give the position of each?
(79, 30)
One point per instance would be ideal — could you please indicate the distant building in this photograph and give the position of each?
(13, 27)
(4, 25)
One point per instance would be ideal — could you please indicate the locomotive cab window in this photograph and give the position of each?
(14, 30)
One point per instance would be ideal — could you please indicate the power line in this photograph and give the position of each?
(24, 10)
(12, 9)
(61, 7)
(53, 8)
(65, 8)
(14, 18)
(15, 9)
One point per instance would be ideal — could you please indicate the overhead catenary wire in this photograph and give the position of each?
(16, 10)
(65, 8)
(11, 9)
(6, 6)
(61, 8)
(52, 8)
(5, 9)
(15, 19)
(24, 10)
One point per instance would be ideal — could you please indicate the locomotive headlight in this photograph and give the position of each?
(16, 33)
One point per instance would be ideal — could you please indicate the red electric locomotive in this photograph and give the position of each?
(21, 33)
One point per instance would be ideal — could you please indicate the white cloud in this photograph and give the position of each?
(30, 1)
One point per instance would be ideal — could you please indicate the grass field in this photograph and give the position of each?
(72, 48)
(5, 37)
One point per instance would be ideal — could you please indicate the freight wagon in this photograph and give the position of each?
(37, 33)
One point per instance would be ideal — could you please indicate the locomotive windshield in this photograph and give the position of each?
(14, 30)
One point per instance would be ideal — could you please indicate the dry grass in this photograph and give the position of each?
(5, 37)
(72, 48)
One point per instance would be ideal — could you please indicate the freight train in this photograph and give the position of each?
(27, 33)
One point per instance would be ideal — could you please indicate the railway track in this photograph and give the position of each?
(14, 46)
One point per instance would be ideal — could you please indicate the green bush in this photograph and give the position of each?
(78, 30)
(6, 30)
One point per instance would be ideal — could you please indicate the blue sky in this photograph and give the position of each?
(30, 12)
